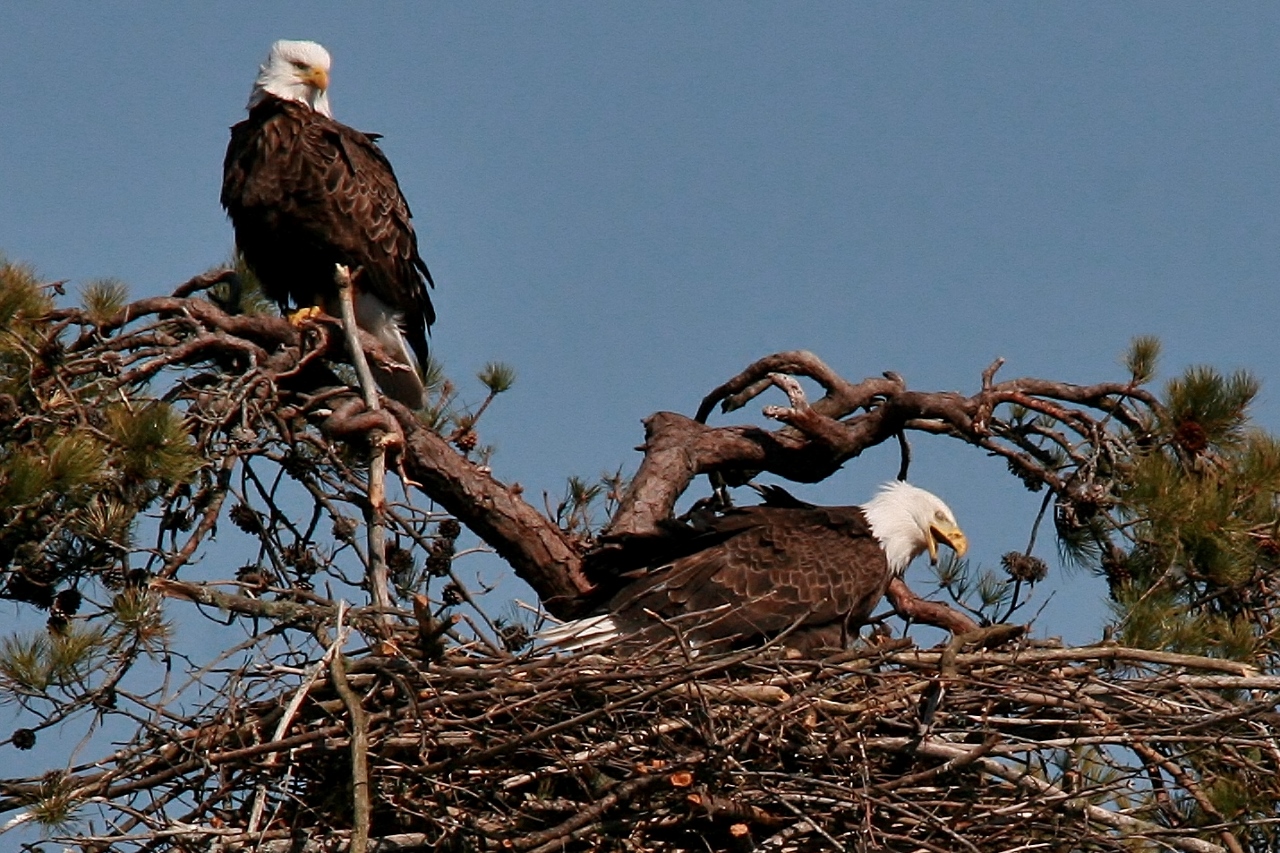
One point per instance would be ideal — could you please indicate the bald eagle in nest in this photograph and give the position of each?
(755, 572)
(305, 192)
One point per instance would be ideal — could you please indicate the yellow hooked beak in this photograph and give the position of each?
(949, 535)
(317, 77)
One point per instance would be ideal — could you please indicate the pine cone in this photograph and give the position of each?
(246, 518)
(1024, 567)
(344, 528)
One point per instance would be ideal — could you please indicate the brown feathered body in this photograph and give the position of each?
(758, 571)
(811, 573)
(305, 192)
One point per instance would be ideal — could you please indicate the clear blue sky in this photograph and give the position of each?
(630, 202)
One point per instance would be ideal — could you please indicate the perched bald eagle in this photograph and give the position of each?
(305, 192)
(757, 571)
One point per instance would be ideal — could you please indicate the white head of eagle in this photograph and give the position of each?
(295, 71)
(909, 521)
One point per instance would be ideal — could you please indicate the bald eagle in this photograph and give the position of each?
(305, 192)
(757, 571)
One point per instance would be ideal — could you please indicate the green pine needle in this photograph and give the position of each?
(54, 807)
(75, 461)
(103, 298)
(1236, 639)
(140, 614)
(992, 589)
(22, 297)
(74, 652)
(581, 493)
(1141, 358)
(433, 374)
(24, 479)
(497, 377)
(154, 444)
(105, 521)
(24, 663)
(35, 662)
(1078, 546)
(1232, 797)
(950, 571)
(1216, 406)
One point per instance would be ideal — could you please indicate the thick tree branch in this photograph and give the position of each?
(536, 548)
(815, 439)
(908, 605)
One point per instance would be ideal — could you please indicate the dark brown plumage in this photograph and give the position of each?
(787, 566)
(760, 569)
(305, 192)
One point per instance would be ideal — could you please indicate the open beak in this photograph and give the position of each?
(949, 535)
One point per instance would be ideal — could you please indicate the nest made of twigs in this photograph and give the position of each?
(887, 747)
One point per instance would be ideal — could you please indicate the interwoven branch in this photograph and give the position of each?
(850, 418)
(534, 753)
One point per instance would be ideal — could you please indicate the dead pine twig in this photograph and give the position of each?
(377, 497)
(360, 805)
(291, 711)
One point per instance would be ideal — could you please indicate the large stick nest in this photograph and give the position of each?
(887, 747)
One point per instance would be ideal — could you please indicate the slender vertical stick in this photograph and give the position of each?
(377, 461)
(360, 804)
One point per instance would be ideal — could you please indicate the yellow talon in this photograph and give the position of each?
(297, 318)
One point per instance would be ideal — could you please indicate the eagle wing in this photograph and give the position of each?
(305, 192)
(768, 568)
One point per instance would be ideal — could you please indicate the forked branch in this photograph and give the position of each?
(819, 437)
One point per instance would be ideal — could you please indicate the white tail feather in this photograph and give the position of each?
(581, 633)
(373, 315)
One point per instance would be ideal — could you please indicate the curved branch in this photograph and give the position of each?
(908, 605)
(820, 437)
(841, 398)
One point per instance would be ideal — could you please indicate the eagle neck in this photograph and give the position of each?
(897, 531)
(268, 93)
